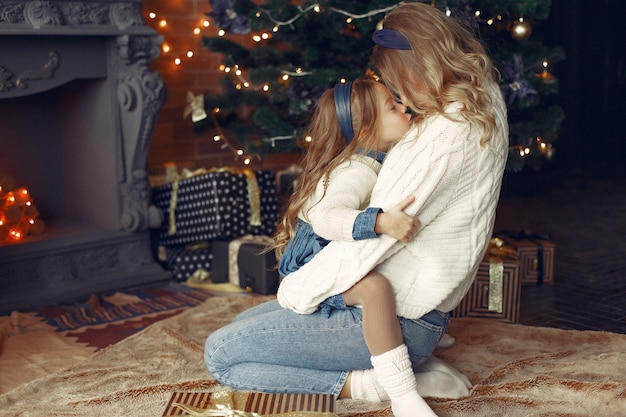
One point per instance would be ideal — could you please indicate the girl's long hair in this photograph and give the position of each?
(446, 64)
(327, 149)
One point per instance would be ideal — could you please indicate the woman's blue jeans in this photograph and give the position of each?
(271, 349)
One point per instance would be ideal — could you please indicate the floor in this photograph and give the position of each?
(586, 219)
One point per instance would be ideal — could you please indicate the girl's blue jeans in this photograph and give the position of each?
(271, 349)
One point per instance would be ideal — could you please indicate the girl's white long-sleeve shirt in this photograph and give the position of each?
(456, 183)
(334, 206)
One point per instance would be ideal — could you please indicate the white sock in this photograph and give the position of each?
(395, 374)
(365, 386)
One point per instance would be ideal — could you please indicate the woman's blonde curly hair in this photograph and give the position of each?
(446, 64)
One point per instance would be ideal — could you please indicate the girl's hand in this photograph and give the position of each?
(396, 223)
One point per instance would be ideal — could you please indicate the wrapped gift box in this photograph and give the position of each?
(536, 255)
(244, 262)
(216, 204)
(185, 261)
(239, 403)
(495, 293)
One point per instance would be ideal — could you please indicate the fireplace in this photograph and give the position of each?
(78, 105)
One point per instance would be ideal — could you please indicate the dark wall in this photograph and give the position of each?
(592, 86)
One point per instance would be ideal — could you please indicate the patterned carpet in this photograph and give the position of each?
(106, 319)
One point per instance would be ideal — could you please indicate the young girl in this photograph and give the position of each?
(329, 203)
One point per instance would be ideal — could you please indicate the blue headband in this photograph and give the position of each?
(342, 106)
(389, 38)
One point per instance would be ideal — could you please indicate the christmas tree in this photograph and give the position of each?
(280, 56)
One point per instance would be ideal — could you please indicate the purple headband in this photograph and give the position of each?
(342, 106)
(392, 39)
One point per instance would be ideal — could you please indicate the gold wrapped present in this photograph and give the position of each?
(249, 404)
(496, 290)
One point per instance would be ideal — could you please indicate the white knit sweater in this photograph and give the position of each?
(456, 183)
(332, 212)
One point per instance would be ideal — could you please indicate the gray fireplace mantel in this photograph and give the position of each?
(45, 46)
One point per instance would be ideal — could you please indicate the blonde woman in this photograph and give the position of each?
(452, 162)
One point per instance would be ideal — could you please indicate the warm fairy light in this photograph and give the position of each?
(285, 77)
(266, 87)
(226, 70)
(163, 23)
(166, 48)
(206, 23)
(239, 152)
(308, 138)
(298, 70)
(275, 28)
(189, 54)
(246, 84)
(490, 21)
(152, 15)
(222, 67)
(544, 63)
(177, 61)
(256, 38)
(317, 8)
(246, 161)
(217, 138)
(196, 31)
(221, 32)
(265, 36)
(349, 20)
(31, 221)
(15, 234)
(448, 12)
(477, 13)
(342, 81)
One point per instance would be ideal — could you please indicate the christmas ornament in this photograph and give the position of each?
(514, 87)
(226, 18)
(521, 30)
(195, 107)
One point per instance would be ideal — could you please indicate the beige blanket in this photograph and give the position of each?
(516, 371)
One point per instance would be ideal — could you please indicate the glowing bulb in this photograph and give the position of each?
(275, 28)
(239, 152)
(206, 23)
(226, 70)
(266, 87)
(544, 63)
(221, 32)
(152, 15)
(217, 138)
(285, 77)
(177, 61)
(216, 110)
(448, 11)
(265, 36)
(246, 84)
(196, 31)
(317, 8)
(256, 38)
(222, 67)
(477, 13)
(342, 81)
(490, 22)
(238, 72)
(166, 48)
(308, 138)
(246, 161)
(298, 70)
(163, 23)
(31, 221)
(349, 20)
(189, 54)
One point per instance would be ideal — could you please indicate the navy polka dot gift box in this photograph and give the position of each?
(217, 205)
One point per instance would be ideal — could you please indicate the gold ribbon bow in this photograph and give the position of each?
(254, 194)
(496, 252)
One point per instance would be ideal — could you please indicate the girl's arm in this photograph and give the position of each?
(347, 193)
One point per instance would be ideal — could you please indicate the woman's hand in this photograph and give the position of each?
(396, 223)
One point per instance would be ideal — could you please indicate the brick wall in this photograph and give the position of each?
(174, 140)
